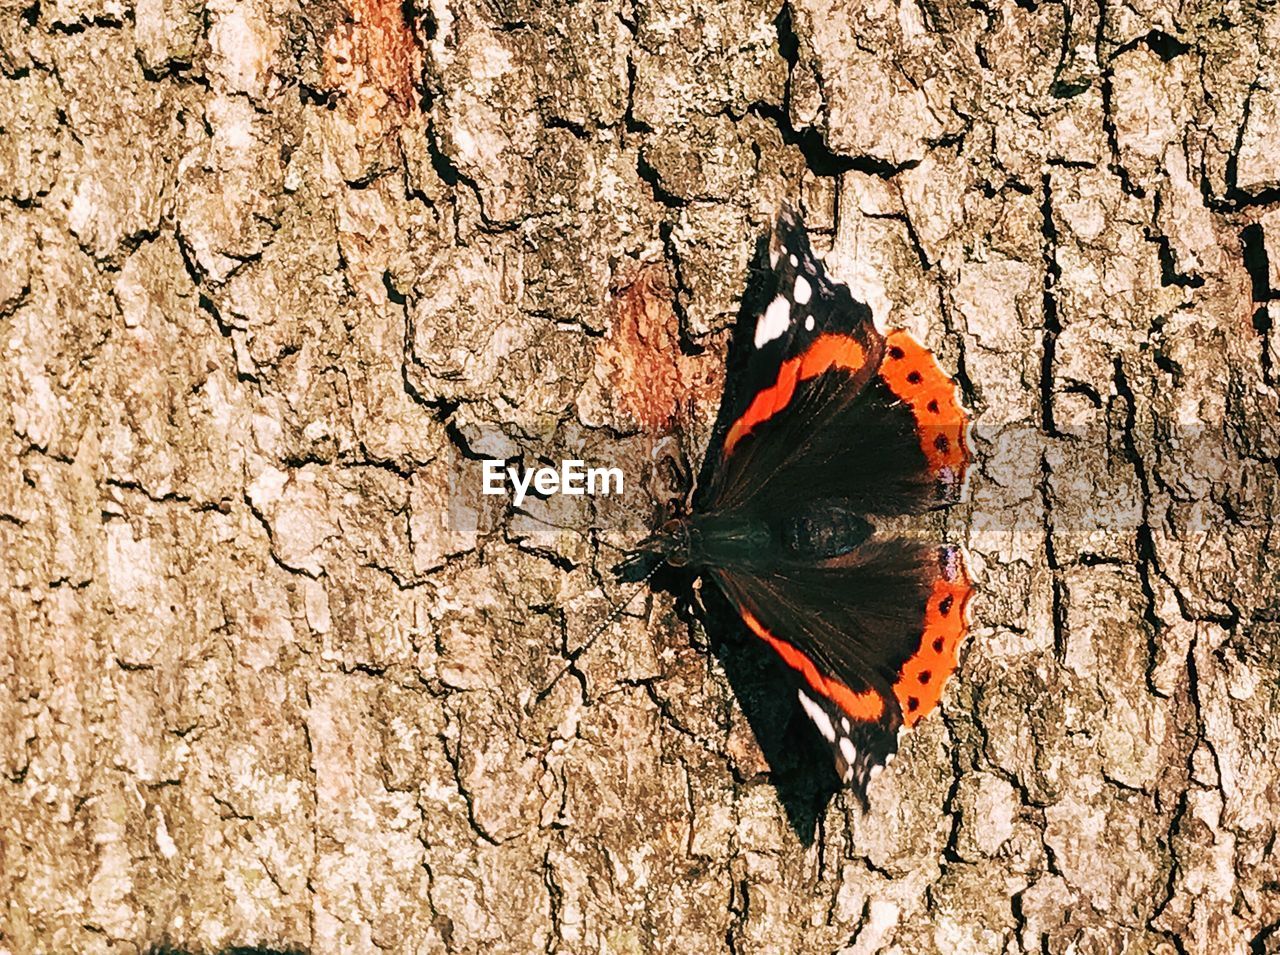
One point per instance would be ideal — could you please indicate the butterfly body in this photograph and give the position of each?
(832, 434)
(742, 540)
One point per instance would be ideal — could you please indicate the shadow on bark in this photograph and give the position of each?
(799, 766)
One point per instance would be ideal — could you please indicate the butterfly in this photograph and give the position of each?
(832, 434)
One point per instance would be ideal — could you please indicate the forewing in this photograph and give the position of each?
(823, 403)
(801, 333)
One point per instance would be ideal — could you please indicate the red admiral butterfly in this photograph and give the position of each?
(829, 430)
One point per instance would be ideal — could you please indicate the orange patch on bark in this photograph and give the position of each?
(373, 60)
(651, 379)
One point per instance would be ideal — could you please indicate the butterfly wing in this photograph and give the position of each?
(804, 339)
(869, 637)
(836, 419)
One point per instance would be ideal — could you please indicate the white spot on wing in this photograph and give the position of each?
(848, 750)
(819, 717)
(773, 322)
(808, 323)
(803, 291)
(794, 261)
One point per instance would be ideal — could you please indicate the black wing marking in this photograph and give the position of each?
(833, 440)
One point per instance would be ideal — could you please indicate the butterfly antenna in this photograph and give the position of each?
(604, 625)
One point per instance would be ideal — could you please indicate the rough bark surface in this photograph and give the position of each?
(275, 276)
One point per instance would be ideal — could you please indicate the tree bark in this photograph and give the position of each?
(277, 277)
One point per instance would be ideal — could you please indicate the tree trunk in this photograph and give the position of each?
(276, 279)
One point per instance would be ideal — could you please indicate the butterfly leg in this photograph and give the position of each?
(695, 598)
(672, 476)
(690, 602)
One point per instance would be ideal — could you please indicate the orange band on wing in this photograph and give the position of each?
(827, 352)
(920, 682)
(867, 706)
(913, 375)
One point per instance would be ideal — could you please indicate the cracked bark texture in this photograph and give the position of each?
(275, 275)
